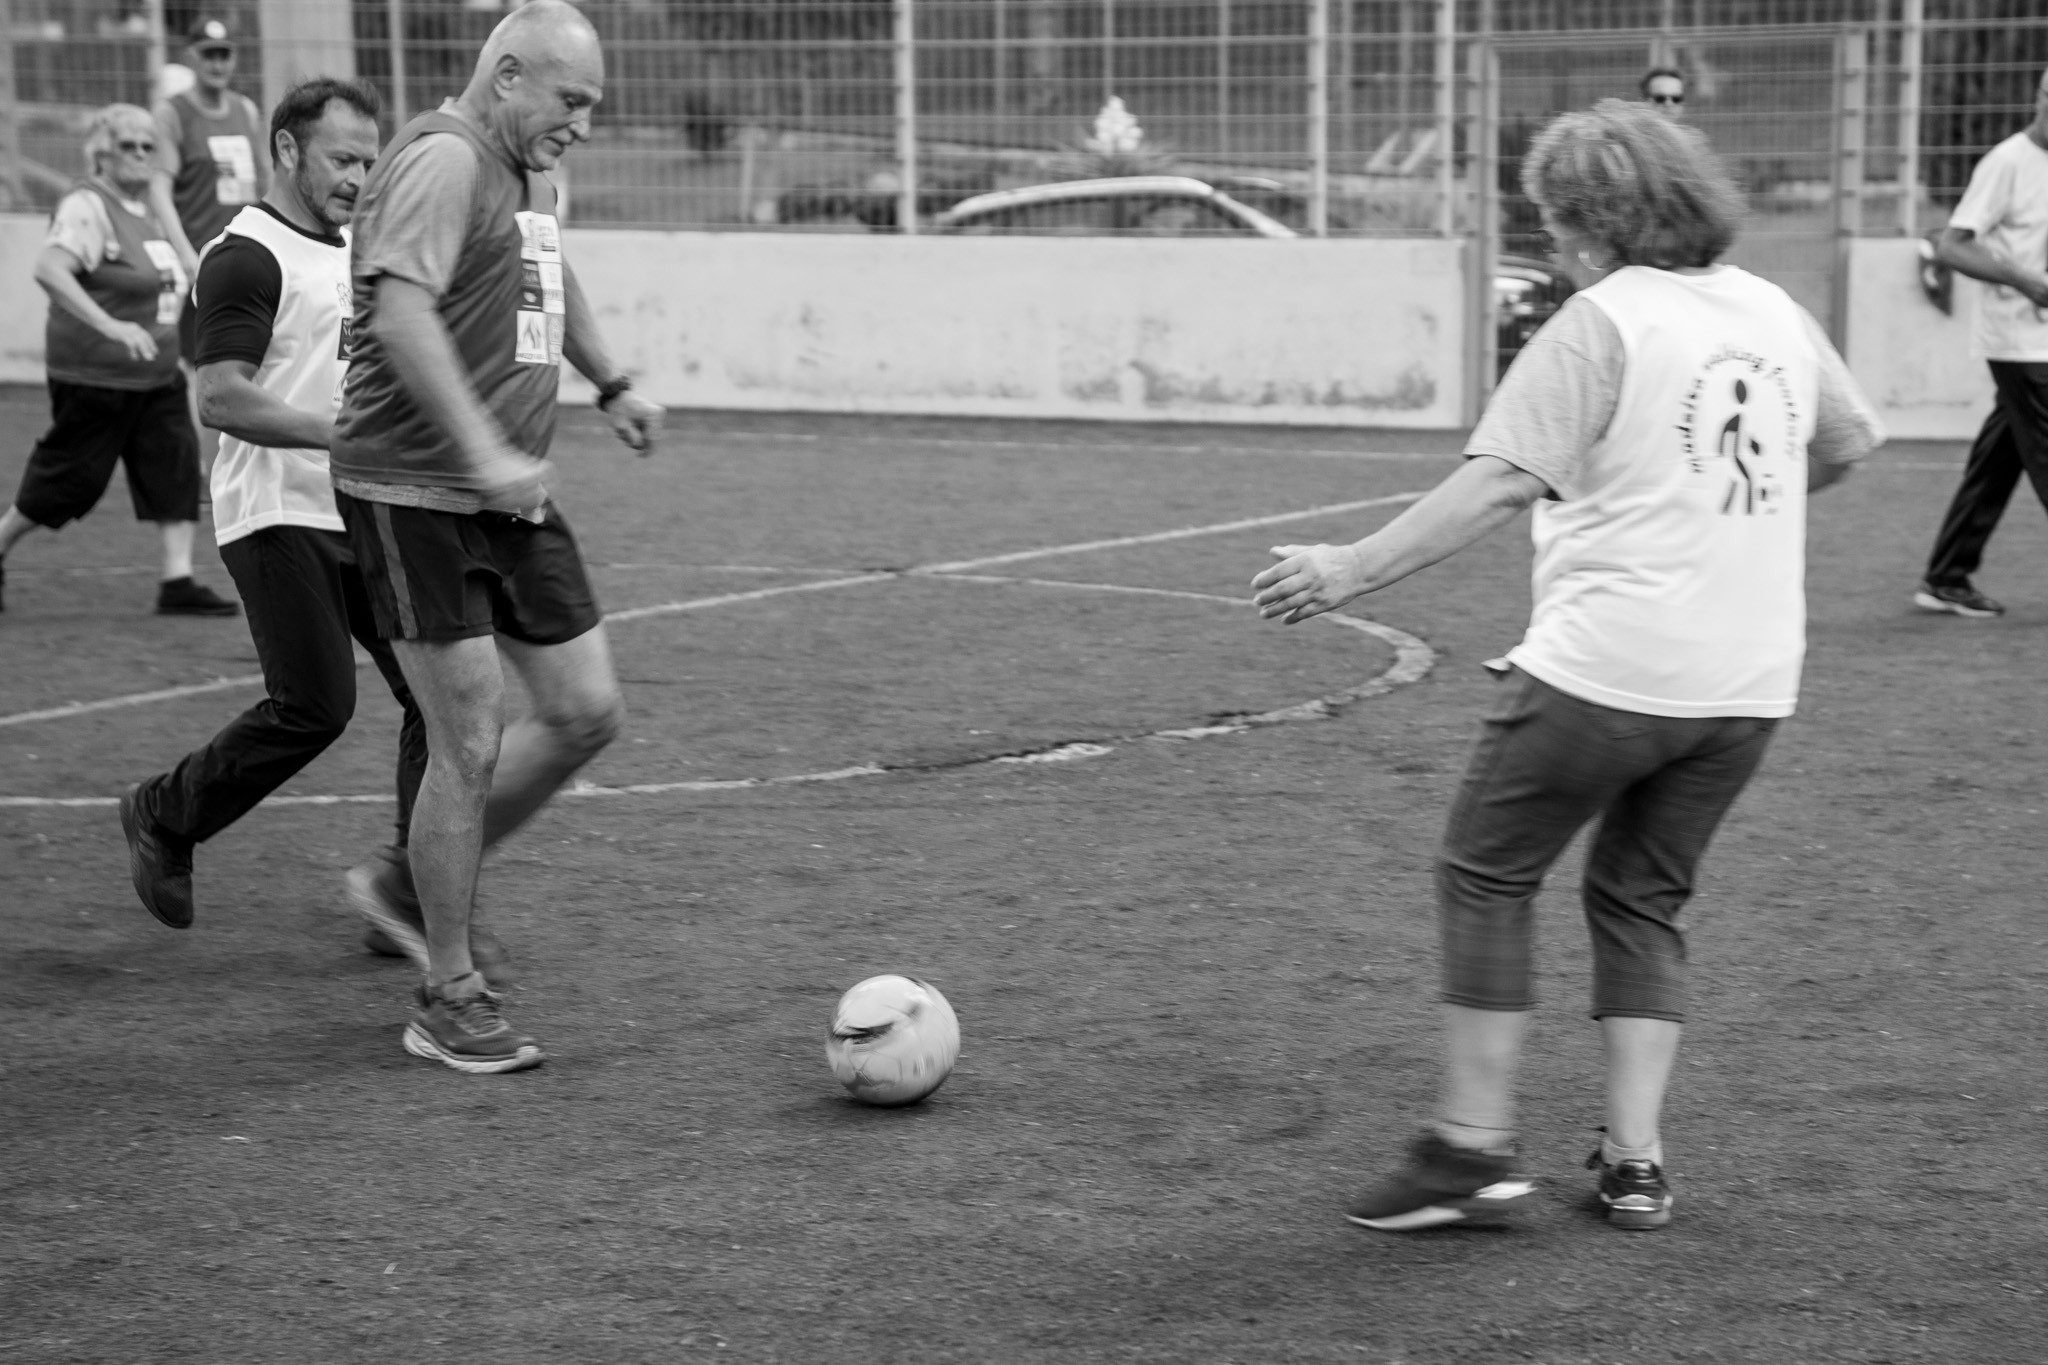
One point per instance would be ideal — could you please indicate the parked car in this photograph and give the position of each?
(1526, 293)
(1117, 206)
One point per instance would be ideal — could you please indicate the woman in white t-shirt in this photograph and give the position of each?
(1666, 426)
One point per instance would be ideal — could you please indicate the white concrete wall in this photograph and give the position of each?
(1359, 333)
(1912, 359)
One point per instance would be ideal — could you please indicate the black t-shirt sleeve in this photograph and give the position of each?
(239, 288)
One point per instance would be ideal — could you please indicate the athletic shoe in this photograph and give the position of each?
(468, 1033)
(183, 597)
(1441, 1184)
(380, 889)
(158, 864)
(382, 892)
(1959, 600)
(1633, 1191)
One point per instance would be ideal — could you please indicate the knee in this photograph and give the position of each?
(592, 725)
(319, 717)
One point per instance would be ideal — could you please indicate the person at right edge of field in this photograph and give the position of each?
(1666, 426)
(464, 310)
(1999, 234)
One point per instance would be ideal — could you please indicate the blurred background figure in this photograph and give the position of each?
(212, 164)
(116, 290)
(1664, 87)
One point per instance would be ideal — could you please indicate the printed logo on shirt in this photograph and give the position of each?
(234, 169)
(1740, 427)
(543, 307)
(170, 280)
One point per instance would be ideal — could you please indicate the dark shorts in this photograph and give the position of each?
(1546, 763)
(92, 429)
(455, 576)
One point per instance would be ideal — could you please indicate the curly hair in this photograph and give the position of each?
(1647, 188)
(105, 130)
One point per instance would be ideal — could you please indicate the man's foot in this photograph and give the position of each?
(183, 597)
(1958, 600)
(380, 889)
(1441, 1184)
(1634, 1192)
(466, 1031)
(159, 864)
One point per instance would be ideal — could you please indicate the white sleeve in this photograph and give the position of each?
(1985, 203)
(80, 226)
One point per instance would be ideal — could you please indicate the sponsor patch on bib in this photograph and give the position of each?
(543, 306)
(234, 169)
(170, 280)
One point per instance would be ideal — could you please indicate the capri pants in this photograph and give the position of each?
(1546, 763)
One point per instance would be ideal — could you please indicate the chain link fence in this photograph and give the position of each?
(1389, 117)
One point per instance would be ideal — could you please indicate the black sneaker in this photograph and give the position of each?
(183, 597)
(1958, 600)
(159, 865)
(1634, 1192)
(467, 1032)
(1441, 1184)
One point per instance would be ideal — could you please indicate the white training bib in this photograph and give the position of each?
(1675, 584)
(256, 486)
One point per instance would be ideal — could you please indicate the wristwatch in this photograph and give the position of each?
(610, 389)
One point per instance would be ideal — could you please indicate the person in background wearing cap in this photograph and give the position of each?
(210, 151)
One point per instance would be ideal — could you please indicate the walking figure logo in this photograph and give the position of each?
(1741, 448)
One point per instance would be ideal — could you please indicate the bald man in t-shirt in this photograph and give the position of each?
(464, 309)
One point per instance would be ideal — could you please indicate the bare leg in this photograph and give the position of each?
(461, 694)
(576, 712)
(1640, 1053)
(1481, 1048)
(177, 549)
(13, 526)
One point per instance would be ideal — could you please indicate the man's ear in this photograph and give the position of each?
(278, 143)
(507, 72)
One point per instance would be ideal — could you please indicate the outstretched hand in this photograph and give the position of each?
(635, 421)
(514, 483)
(1308, 581)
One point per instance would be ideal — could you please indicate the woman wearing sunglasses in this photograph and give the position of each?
(111, 360)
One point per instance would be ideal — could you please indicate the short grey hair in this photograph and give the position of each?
(1647, 188)
(105, 130)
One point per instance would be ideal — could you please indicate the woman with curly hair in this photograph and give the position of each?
(111, 355)
(1666, 426)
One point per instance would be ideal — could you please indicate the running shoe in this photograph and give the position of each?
(183, 597)
(467, 1032)
(1441, 1184)
(158, 864)
(1958, 599)
(1634, 1192)
(380, 889)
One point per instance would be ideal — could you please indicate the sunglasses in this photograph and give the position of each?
(131, 145)
(1667, 99)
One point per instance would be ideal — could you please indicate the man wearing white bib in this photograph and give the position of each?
(273, 300)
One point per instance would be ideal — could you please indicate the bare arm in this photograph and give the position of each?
(405, 321)
(634, 420)
(1483, 493)
(1820, 474)
(168, 132)
(57, 272)
(230, 400)
(1960, 251)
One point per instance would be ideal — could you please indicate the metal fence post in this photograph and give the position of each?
(394, 20)
(1912, 35)
(1446, 115)
(159, 47)
(906, 117)
(1852, 65)
(1319, 117)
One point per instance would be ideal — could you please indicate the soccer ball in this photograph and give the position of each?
(894, 1040)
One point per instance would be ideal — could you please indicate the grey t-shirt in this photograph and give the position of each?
(1557, 398)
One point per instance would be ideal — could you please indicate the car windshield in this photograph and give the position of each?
(1152, 215)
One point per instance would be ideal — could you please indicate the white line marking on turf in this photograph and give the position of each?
(1413, 658)
(729, 599)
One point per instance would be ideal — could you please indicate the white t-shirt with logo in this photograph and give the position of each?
(2006, 206)
(256, 486)
(1671, 416)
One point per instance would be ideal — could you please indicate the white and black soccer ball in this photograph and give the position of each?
(894, 1040)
